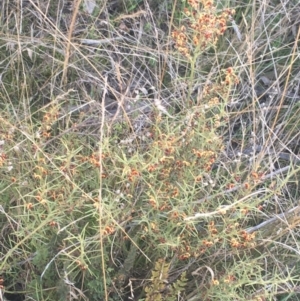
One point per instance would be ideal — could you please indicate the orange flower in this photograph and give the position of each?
(184, 256)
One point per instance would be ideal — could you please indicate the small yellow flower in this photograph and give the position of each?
(29, 206)
(37, 177)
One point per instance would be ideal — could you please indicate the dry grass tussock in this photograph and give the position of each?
(149, 150)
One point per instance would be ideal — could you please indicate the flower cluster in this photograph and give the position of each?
(211, 91)
(204, 28)
(245, 240)
(49, 119)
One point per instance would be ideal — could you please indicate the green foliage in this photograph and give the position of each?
(159, 288)
(91, 200)
(178, 287)
(159, 279)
